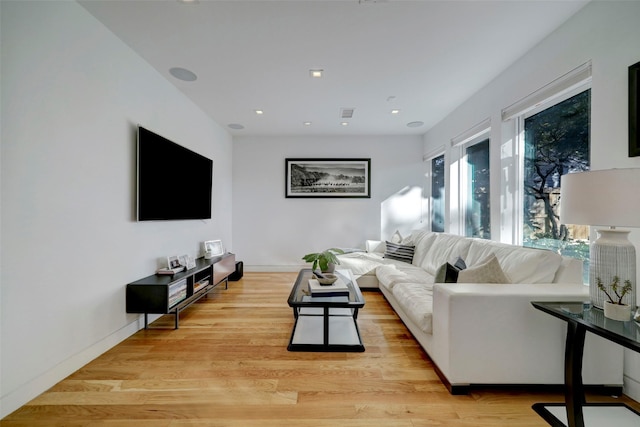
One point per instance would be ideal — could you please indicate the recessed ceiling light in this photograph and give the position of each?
(259, 112)
(307, 123)
(183, 74)
(344, 123)
(189, 1)
(316, 74)
(395, 111)
(415, 124)
(236, 126)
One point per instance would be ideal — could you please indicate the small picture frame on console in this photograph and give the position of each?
(187, 262)
(213, 248)
(173, 262)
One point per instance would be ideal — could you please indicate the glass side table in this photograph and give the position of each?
(581, 318)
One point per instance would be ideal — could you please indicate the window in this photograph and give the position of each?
(556, 142)
(437, 194)
(477, 208)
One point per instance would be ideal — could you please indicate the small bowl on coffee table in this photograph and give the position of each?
(327, 279)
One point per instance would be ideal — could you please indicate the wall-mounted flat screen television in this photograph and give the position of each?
(174, 182)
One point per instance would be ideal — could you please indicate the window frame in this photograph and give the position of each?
(520, 141)
(464, 182)
(459, 145)
(428, 160)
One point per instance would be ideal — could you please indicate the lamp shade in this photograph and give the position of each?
(605, 197)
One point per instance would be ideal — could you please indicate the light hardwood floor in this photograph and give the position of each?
(228, 365)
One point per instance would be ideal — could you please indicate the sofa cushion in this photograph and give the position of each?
(444, 248)
(521, 265)
(399, 252)
(416, 300)
(391, 274)
(422, 240)
(487, 271)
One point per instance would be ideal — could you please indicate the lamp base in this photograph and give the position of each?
(612, 254)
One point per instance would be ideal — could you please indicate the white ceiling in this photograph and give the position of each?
(422, 57)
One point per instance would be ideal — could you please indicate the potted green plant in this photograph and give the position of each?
(326, 260)
(614, 308)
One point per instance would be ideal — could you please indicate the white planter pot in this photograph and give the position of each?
(617, 311)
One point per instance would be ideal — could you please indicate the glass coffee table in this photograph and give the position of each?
(327, 323)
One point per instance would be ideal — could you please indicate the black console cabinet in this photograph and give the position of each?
(165, 294)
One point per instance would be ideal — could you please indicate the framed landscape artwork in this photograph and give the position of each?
(634, 110)
(328, 178)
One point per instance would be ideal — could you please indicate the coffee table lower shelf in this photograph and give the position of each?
(341, 333)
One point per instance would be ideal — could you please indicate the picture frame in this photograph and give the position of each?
(187, 261)
(328, 178)
(173, 262)
(634, 110)
(213, 247)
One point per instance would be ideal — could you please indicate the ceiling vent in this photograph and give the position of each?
(346, 113)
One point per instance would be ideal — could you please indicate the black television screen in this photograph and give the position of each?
(173, 181)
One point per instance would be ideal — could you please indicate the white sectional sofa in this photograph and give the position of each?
(481, 334)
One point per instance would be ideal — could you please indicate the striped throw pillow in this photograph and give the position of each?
(399, 252)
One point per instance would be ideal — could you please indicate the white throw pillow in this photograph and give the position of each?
(396, 238)
(486, 271)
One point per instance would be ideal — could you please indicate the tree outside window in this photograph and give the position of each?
(556, 142)
(437, 194)
(478, 208)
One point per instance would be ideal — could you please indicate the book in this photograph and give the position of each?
(199, 285)
(169, 270)
(338, 288)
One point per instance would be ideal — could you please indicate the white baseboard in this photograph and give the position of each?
(20, 396)
(275, 268)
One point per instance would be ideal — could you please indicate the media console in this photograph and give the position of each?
(170, 294)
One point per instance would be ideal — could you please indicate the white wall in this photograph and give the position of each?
(606, 33)
(274, 232)
(72, 95)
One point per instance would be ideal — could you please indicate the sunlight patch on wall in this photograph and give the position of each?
(404, 211)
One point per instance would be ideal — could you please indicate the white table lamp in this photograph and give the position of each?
(605, 198)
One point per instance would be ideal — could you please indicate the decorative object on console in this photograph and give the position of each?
(213, 248)
(621, 312)
(187, 262)
(173, 266)
(173, 262)
(342, 178)
(169, 271)
(605, 198)
(614, 308)
(326, 260)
